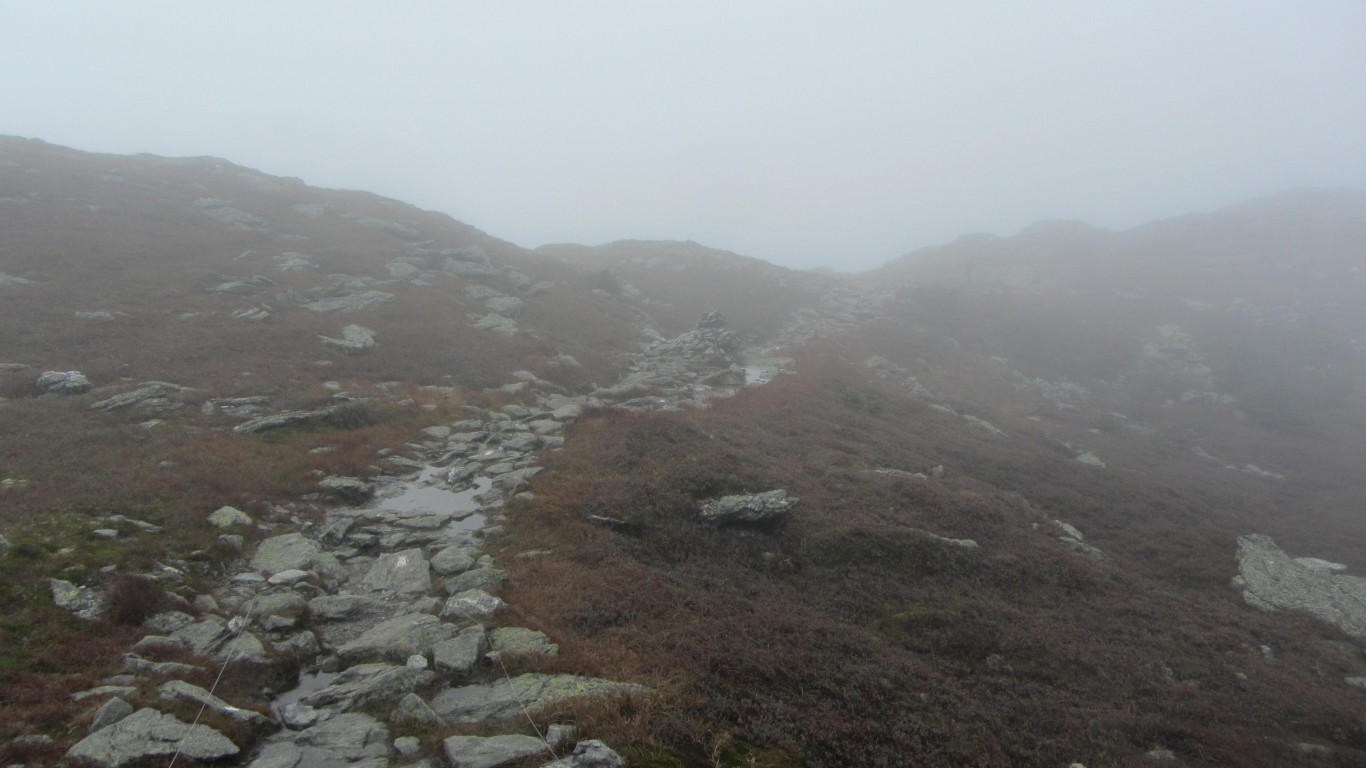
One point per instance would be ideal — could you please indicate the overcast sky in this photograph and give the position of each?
(841, 134)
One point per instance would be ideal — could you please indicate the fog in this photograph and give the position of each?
(800, 133)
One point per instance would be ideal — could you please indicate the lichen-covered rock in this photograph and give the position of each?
(63, 382)
(506, 698)
(290, 551)
(1271, 579)
(473, 604)
(400, 573)
(521, 640)
(748, 508)
(148, 733)
(85, 602)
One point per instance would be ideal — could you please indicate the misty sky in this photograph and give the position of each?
(803, 133)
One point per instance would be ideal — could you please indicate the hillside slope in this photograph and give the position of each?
(1019, 474)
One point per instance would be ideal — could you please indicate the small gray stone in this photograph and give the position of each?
(407, 746)
(63, 382)
(109, 713)
(590, 754)
(475, 604)
(225, 517)
(458, 655)
(411, 708)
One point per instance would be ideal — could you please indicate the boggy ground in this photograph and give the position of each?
(848, 635)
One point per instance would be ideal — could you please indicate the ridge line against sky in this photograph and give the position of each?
(805, 134)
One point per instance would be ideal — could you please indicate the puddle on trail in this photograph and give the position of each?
(309, 682)
(426, 495)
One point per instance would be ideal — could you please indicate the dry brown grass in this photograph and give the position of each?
(844, 637)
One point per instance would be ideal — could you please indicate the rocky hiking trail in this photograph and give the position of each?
(389, 602)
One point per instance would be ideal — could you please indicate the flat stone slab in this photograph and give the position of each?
(365, 684)
(400, 573)
(148, 733)
(349, 737)
(397, 639)
(490, 751)
(521, 640)
(505, 699)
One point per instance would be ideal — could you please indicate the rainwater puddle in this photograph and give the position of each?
(309, 682)
(421, 496)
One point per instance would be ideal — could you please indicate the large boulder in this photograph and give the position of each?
(147, 734)
(748, 508)
(1271, 580)
(521, 640)
(458, 655)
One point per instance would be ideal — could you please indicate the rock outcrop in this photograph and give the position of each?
(1272, 580)
(63, 382)
(748, 508)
